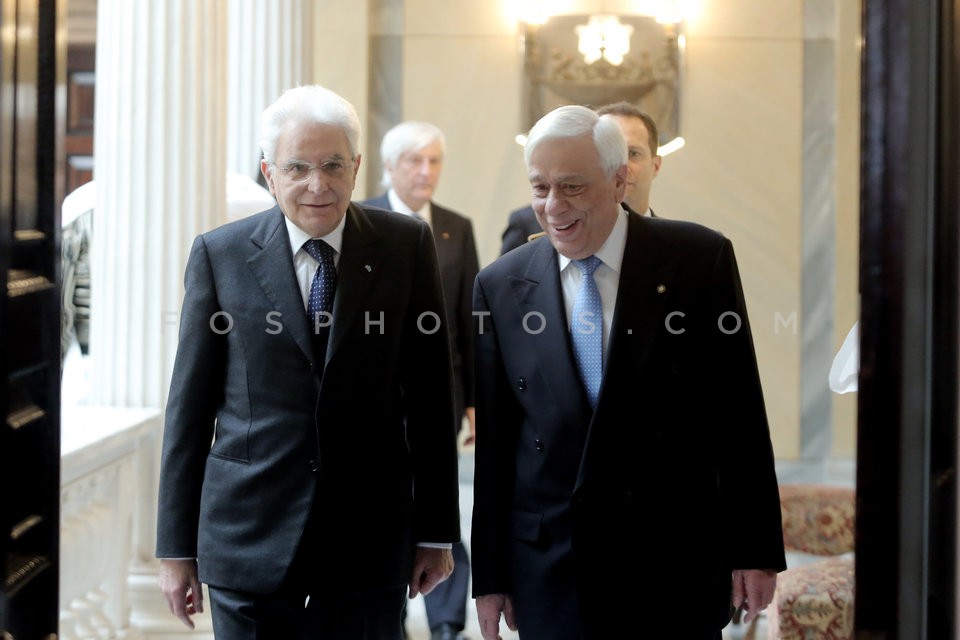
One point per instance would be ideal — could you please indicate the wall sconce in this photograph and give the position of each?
(597, 59)
(604, 37)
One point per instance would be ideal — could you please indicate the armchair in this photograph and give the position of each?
(814, 596)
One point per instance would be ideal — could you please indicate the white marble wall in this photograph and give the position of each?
(847, 303)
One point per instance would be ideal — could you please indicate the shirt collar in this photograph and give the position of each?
(400, 206)
(611, 252)
(298, 236)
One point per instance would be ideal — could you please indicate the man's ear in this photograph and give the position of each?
(620, 182)
(267, 170)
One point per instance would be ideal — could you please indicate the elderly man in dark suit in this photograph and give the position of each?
(623, 458)
(643, 165)
(412, 153)
(309, 464)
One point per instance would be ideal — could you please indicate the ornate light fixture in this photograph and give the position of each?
(603, 58)
(604, 37)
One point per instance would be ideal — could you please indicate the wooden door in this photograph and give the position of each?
(81, 59)
(30, 124)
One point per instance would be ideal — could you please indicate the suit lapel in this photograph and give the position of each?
(539, 292)
(645, 281)
(272, 266)
(646, 278)
(358, 270)
(443, 231)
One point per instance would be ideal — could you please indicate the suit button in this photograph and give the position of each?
(521, 384)
(539, 445)
(314, 465)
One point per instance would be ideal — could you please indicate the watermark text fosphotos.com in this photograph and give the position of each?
(532, 322)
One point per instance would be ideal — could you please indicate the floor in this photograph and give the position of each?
(417, 628)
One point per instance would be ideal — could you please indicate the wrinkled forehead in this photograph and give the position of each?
(312, 141)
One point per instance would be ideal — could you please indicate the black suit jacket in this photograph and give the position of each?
(459, 264)
(373, 424)
(666, 487)
(521, 224)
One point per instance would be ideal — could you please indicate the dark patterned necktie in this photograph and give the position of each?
(324, 284)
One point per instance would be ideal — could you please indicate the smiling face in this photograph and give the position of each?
(575, 203)
(317, 204)
(642, 164)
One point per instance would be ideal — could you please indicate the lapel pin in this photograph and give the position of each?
(445, 235)
(368, 268)
(661, 288)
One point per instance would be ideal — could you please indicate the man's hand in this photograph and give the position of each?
(181, 587)
(471, 414)
(430, 568)
(753, 588)
(489, 608)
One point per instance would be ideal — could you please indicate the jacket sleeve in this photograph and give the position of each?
(196, 391)
(428, 390)
(748, 482)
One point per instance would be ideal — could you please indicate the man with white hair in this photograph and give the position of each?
(412, 153)
(623, 454)
(309, 465)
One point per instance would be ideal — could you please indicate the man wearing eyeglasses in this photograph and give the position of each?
(412, 153)
(643, 165)
(309, 471)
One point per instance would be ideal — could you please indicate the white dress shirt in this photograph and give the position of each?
(607, 277)
(306, 265)
(400, 206)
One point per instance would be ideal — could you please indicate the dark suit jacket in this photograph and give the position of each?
(521, 224)
(373, 424)
(648, 503)
(459, 264)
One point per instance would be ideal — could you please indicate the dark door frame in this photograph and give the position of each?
(906, 547)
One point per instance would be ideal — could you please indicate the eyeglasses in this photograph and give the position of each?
(297, 171)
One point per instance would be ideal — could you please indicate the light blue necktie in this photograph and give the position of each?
(324, 283)
(586, 329)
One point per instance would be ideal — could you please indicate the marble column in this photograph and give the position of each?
(160, 173)
(818, 233)
(270, 50)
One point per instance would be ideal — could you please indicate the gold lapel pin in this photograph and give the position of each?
(661, 288)
(445, 235)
